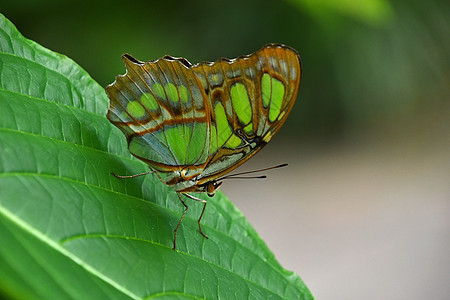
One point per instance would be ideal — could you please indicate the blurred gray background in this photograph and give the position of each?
(363, 209)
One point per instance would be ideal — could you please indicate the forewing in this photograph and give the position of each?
(249, 98)
(160, 107)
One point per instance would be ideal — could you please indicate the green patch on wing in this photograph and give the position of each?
(241, 103)
(175, 145)
(266, 87)
(184, 94)
(158, 89)
(276, 100)
(249, 129)
(273, 91)
(188, 145)
(224, 133)
(135, 109)
(149, 101)
(172, 92)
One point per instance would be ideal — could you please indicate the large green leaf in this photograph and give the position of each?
(70, 230)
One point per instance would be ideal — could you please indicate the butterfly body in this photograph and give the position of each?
(194, 123)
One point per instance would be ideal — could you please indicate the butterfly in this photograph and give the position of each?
(192, 124)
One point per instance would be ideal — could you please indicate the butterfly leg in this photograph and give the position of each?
(179, 222)
(137, 175)
(201, 215)
(131, 176)
(184, 213)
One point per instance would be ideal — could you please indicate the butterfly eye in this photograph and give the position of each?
(212, 187)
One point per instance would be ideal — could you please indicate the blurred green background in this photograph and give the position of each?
(371, 63)
(368, 140)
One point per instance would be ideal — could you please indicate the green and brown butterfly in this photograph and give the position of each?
(192, 124)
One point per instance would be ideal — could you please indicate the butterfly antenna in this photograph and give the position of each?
(237, 175)
(244, 177)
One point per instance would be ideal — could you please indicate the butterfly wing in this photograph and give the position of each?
(250, 98)
(160, 107)
(196, 123)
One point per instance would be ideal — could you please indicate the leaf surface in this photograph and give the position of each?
(70, 230)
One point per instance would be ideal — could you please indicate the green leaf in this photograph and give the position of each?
(70, 230)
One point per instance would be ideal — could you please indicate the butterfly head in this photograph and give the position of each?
(184, 184)
(211, 187)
